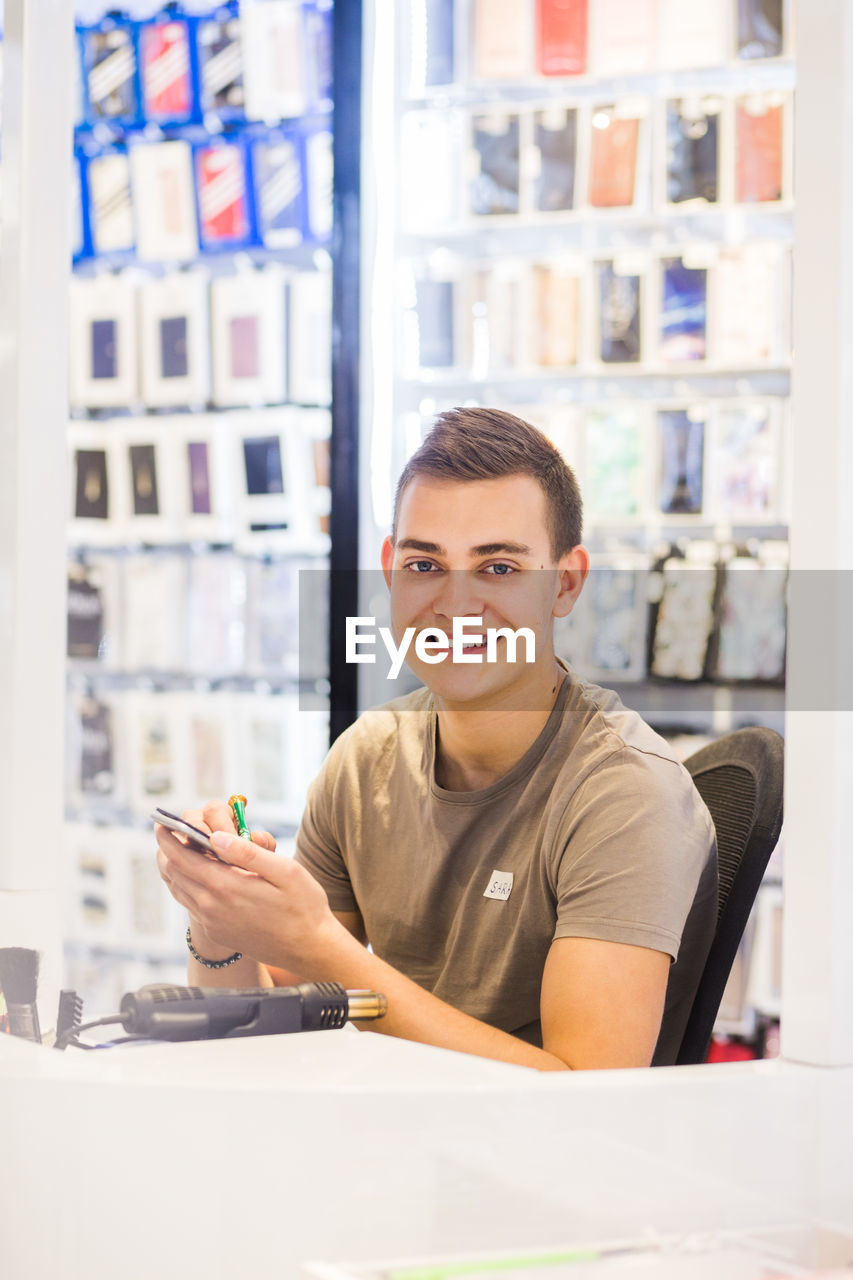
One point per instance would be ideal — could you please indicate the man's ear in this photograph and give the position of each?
(387, 560)
(572, 570)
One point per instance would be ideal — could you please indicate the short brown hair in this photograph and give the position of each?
(486, 444)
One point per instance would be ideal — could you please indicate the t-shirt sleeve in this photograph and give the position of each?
(635, 843)
(318, 848)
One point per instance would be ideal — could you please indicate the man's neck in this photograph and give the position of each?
(475, 748)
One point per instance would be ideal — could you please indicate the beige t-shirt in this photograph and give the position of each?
(598, 831)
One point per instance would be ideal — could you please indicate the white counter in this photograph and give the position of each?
(247, 1158)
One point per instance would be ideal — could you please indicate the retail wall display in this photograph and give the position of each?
(635, 154)
(189, 338)
(231, 616)
(699, 611)
(199, 444)
(592, 225)
(131, 753)
(258, 479)
(512, 40)
(179, 141)
(724, 308)
(103, 367)
(175, 345)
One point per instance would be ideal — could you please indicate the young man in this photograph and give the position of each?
(525, 857)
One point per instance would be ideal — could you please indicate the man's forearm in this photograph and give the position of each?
(416, 1014)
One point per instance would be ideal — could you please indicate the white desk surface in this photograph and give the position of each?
(251, 1157)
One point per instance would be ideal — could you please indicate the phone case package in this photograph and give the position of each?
(751, 304)
(760, 28)
(615, 464)
(153, 625)
(164, 201)
(555, 314)
(269, 750)
(216, 615)
(95, 775)
(619, 287)
(111, 220)
(207, 745)
(110, 72)
(683, 311)
(94, 890)
(201, 459)
(97, 498)
(225, 215)
(614, 147)
(500, 333)
(691, 35)
(278, 172)
(93, 611)
(155, 764)
(495, 186)
(248, 334)
(275, 60)
(263, 491)
(555, 139)
(760, 147)
(681, 436)
(167, 69)
(103, 372)
(684, 617)
(220, 53)
(430, 327)
(745, 463)
(623, 36)
(175, 345)
(692, 149)
(272, 634)
(502, 38)
(310, 337)
(561, 37)
(150, 476)
(752, 629)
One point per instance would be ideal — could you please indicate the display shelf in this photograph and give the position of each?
(200, 435)
(730, 78)
(601, 231)
(567, 386)
(508, 204)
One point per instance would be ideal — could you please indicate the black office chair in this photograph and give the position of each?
(740, 779)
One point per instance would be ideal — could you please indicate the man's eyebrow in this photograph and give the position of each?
(486, 549)
(415, 544)
(502, 548)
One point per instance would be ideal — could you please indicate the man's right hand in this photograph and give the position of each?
(215, 816)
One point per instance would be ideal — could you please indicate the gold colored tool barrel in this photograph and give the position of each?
(365, 1006)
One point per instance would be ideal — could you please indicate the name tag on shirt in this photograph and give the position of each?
(499, 886)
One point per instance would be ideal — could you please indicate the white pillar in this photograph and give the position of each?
(817, 1011)
(34, 267)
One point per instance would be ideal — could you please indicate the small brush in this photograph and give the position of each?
(68, 1017)
(19, 973)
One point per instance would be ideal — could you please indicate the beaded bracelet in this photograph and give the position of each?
(211, 964)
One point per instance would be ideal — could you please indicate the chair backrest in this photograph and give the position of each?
(740, 779)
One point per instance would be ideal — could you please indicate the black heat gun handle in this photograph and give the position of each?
(208, 1013)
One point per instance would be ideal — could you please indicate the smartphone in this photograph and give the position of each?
(198, 840)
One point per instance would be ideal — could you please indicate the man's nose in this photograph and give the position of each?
(459, 595)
